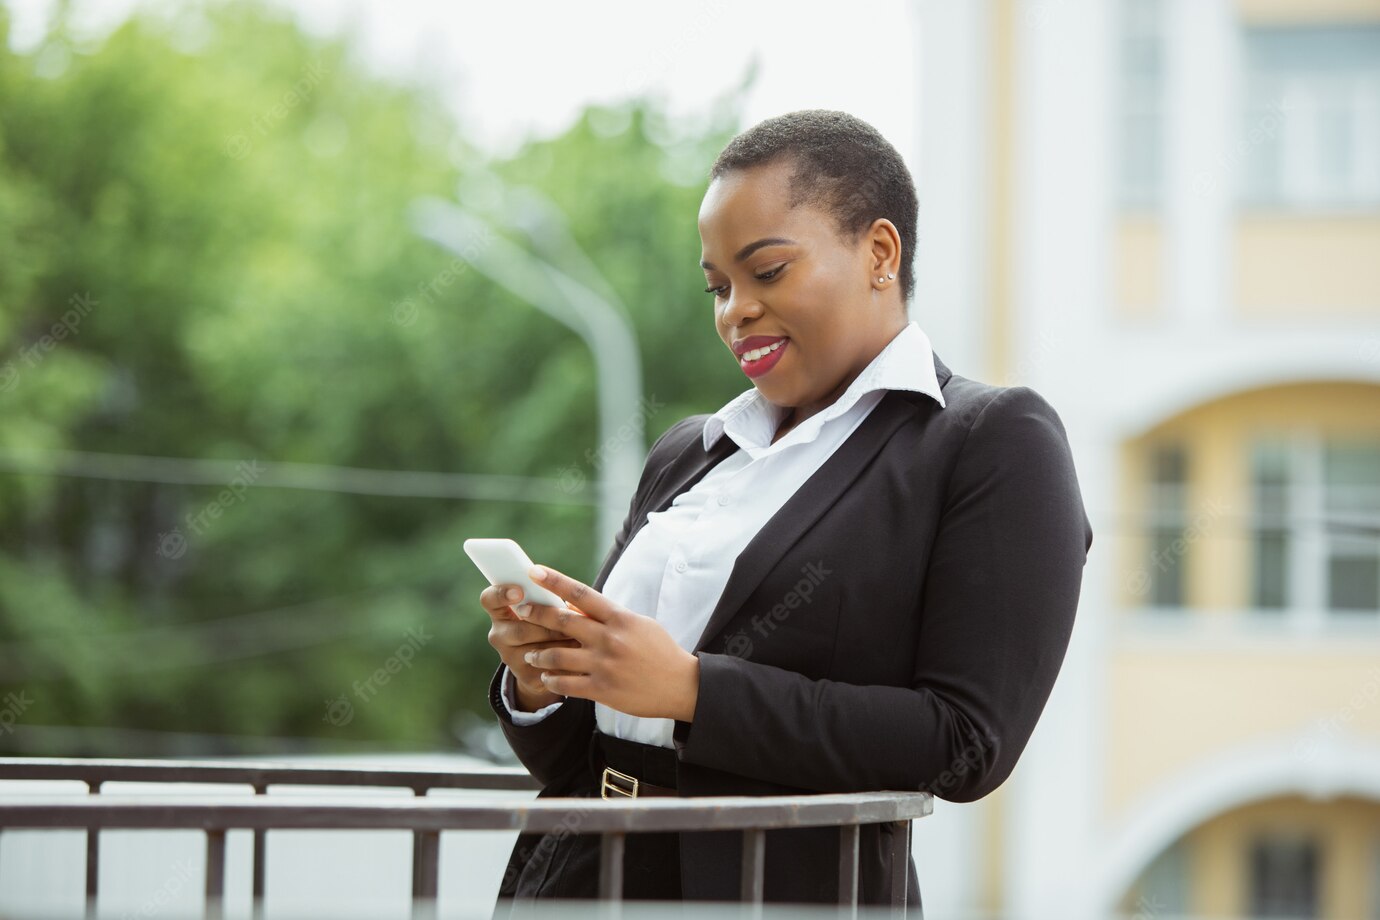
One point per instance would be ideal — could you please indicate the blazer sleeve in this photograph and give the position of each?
(996, 613)
(507, 685)
(559, 741)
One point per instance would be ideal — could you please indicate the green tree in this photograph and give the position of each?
(221, 234)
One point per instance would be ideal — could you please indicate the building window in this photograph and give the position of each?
(1163, 887)
(1141, 42)
(1375, 880)
(1316, 526)
(1270, 470)
(1168, 502)
(1311, 107)
(1283, 877)
(1351, 489)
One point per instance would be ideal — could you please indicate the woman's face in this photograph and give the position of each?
(779, 272)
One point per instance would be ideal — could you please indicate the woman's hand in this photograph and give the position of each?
(624, 660)
(511, 637)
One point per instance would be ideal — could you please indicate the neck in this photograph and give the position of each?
(799, 414)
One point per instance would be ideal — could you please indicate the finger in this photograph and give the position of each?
(590, 602)
(564, 621)
(531, 676)
(554, 643)
(558, 642)
(577, 685)
(520, 632)
(578, 660)
(496, 601)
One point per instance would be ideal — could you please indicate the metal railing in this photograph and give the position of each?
(612, 819)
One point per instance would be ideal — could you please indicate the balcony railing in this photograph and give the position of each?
(612, 819)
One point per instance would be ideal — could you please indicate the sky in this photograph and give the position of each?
(510, 72)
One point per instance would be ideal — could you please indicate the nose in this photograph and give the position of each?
(738, 309)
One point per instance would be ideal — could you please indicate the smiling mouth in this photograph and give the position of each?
(756, 354)
(759, 361)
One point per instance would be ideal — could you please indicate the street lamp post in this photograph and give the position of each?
(592, 314)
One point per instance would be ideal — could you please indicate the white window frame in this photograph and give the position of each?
(1143, 99)
(1302, 183)
(1307, 585)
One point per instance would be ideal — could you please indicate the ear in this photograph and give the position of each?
(884, 245)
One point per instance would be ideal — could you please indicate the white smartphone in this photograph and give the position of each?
(504, 563)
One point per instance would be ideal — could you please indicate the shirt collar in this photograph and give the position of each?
(906, 363)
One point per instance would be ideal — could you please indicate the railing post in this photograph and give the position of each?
(426, 854)
(426, 851)
(848, 867)
(215, 872)
(900, 867)
(611, 866)
(754, 864)
(93, 858)
(260, 845)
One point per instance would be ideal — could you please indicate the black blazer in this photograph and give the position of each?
(897, 625)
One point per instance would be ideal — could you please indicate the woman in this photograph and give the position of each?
(859, 574)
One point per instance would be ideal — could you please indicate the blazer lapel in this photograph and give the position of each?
(800, 511)
(685, 469)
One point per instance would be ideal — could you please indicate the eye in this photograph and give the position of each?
(765, 276)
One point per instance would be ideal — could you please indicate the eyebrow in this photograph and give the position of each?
(750, 248)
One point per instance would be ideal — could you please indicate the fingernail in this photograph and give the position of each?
(513, 594)
(529, 656)
(538, 573)
(523, 610)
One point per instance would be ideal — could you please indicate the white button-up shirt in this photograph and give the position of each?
(676, 566)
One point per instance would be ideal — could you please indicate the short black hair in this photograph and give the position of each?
(843, 166)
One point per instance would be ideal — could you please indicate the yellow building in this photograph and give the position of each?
(1164, 215)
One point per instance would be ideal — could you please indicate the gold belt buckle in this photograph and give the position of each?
(605, 785)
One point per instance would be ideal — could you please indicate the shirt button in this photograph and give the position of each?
(723, 499)
(681, 566)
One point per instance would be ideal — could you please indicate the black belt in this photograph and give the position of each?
(631, 768)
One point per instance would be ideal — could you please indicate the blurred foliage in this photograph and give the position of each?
(216, 202)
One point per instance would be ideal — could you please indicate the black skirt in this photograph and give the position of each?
(565, 863)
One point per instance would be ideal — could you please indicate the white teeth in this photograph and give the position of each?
(757, 353)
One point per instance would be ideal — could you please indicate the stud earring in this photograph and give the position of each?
(889, 276)
(881, 281)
